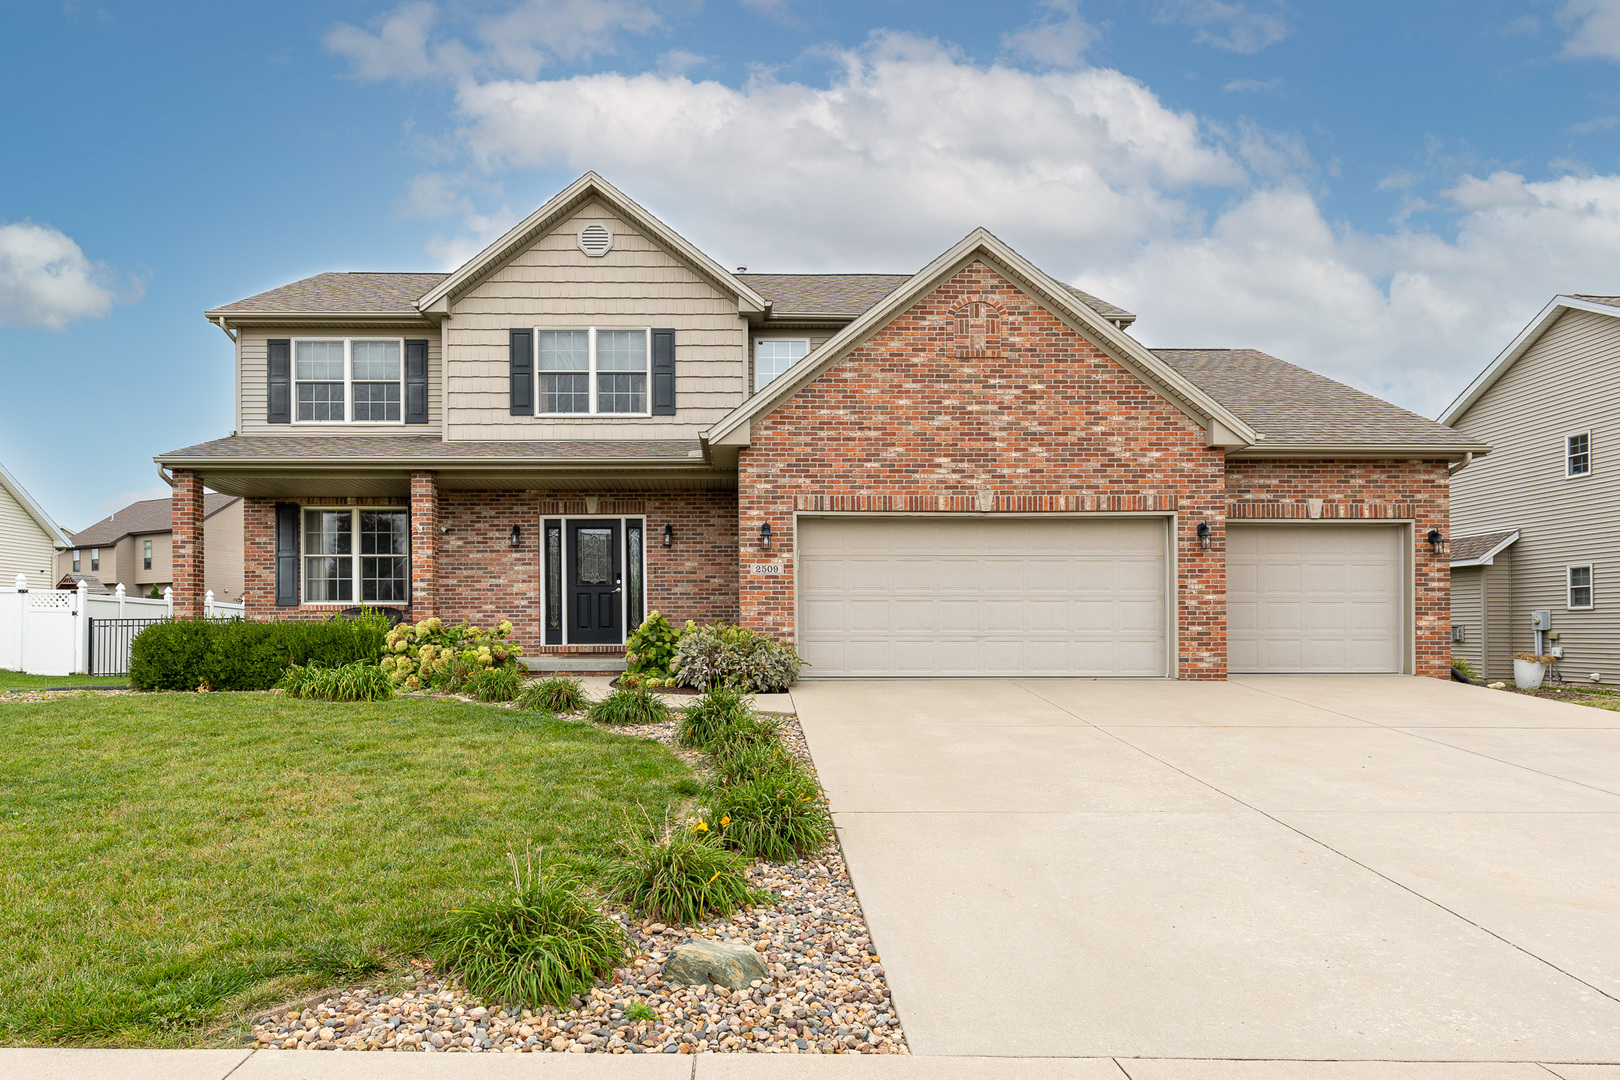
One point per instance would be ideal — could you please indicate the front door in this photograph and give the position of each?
(595, 574)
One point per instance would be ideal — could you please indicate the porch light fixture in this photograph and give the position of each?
(516, 537)
(669, 536)
(765, 536)
(1437, 542)
(1203, 535)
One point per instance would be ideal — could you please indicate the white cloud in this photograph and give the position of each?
(1239, 86)
(46, 281)
(1058, 37)
(1594, 28)
(1236, 27)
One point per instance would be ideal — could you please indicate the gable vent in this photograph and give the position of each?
(595, 240)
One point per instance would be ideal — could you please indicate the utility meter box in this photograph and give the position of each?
(1541, 619)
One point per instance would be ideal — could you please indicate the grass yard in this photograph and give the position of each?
(1598, 697)
(16, 680)
(173, 861)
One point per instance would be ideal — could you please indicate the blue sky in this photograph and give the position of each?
(1382, 192)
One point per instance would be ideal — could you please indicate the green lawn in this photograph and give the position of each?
(174, 860)
(16, 680)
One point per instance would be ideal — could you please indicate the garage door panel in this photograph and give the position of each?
(937, 596)
(1315, 598)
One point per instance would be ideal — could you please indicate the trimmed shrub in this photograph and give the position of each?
(679, 877)
(495, 684)
(358, 681)
(629, 705)
(535, 945)
(723, 655)
(432, 655)
(557, 694)
(190, 653)
(778, 815)
(649, 652)
(718, 708)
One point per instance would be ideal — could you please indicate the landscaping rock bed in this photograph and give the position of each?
(825, 992)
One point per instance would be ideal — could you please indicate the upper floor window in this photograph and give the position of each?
(95, 560)
(348, 379)
(357, 553)
(1580, 585)
(146, 554)
(1578, 454)
(75, 560)
(773, 356)
(593, 370)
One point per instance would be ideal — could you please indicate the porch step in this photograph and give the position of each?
(586, 662)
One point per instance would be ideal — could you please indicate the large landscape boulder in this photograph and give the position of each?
(721, 963)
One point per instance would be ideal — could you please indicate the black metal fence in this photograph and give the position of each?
(109, 643)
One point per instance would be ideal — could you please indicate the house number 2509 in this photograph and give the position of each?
(768, 568)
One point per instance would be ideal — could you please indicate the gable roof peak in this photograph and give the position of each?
(1588, 302)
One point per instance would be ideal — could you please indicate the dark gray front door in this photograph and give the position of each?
(595, 572)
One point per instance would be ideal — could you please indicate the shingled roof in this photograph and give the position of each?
(147, 516)
(357, 293)
(1612, 301)
(1294, 407)
(258, 449)
(1469, 549)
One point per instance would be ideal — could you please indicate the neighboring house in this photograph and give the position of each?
(29, 539)
(969, 470)
(132, 547)
(1533, 524)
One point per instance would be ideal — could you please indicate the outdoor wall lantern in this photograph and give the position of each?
(1203, 535)
(1437, 542)
(516, 537)
(669, 536)
(765, 536)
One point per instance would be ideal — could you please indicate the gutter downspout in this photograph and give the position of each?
(1459, 466)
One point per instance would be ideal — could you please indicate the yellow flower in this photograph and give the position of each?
(711, 880)
(700, 827)
(725, 820)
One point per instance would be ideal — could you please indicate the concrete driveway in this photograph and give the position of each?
(1316, 869)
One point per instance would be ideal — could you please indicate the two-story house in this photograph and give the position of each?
(29, 539)
(969, 470)
(132, 547)
(1532, 521)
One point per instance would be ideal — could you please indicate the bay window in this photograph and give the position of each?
(357, 554)
(358, 380)
(593, 370)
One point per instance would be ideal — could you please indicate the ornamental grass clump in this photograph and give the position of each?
(748, 761)
(494, 684)
(676, 876)
(557, 694)
(629, 705)
(358, 681)
(744, 733)
(535, 944)
(777, 815)
(717, 709)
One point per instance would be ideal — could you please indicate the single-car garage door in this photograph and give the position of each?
(921, 596)
(1315, 598)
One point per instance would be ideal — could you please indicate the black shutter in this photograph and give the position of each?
(278, 380)
(663, 373)
(522, 372)
(416, 382)
(286, 554)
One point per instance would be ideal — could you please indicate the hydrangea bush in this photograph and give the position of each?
(650, 652)
(427, 654)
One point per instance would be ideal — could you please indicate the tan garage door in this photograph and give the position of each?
(1315, 598)
(982, 596)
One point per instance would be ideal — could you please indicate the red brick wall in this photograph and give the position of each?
(186, 518)
(1419, 491)
(424, 545)
(1019, 407)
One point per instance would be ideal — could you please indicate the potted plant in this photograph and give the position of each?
(1529, 669)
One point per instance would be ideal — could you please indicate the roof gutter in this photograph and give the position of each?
(505, 464)
(218, 316)
(1464, 453)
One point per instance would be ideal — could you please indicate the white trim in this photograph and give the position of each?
(758, 341)
(591, 371)
(1587, 434)
(1569, 587)
(355, 556)
(57, 537)
(348, 382)
(562, 554)
(1489, 558)
(1517, 348)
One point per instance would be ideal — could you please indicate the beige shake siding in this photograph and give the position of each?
(553, 283)
(25, 548)
(253, 388)
(1567, 382)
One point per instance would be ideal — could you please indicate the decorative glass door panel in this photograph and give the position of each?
(595, 576)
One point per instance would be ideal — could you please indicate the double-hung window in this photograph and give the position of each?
(1578, 454)
(95, 560)
(773, 356)
(357, 554)
(593, 370)
(146, 554)
(1580, 585)
(349, 379)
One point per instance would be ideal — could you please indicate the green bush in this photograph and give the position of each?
(358, 681)
(778, 815)
(534, 945)
(679, 877)
(716, 709)
(723, 655)
(1465, 667)
(651, 649)
(743, 734)
(557, 694)
(430, 654)
(495, 684)
(629, 705)
(188, 654)
(750, 761)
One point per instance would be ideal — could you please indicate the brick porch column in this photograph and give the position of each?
(186, 518)
(424, 546)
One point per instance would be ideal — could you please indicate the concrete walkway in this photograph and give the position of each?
(1357, 869)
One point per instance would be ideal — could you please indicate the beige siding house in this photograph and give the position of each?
(29, 539)
(1533, 524)
(133, 547)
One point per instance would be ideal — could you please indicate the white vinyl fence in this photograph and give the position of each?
(70, 632)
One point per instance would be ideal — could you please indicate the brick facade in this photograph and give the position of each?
(186, 509)
(424, 545)
(1416, 491)
(979, 399)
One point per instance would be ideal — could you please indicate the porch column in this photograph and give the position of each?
(186, 519)
(424, 546)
